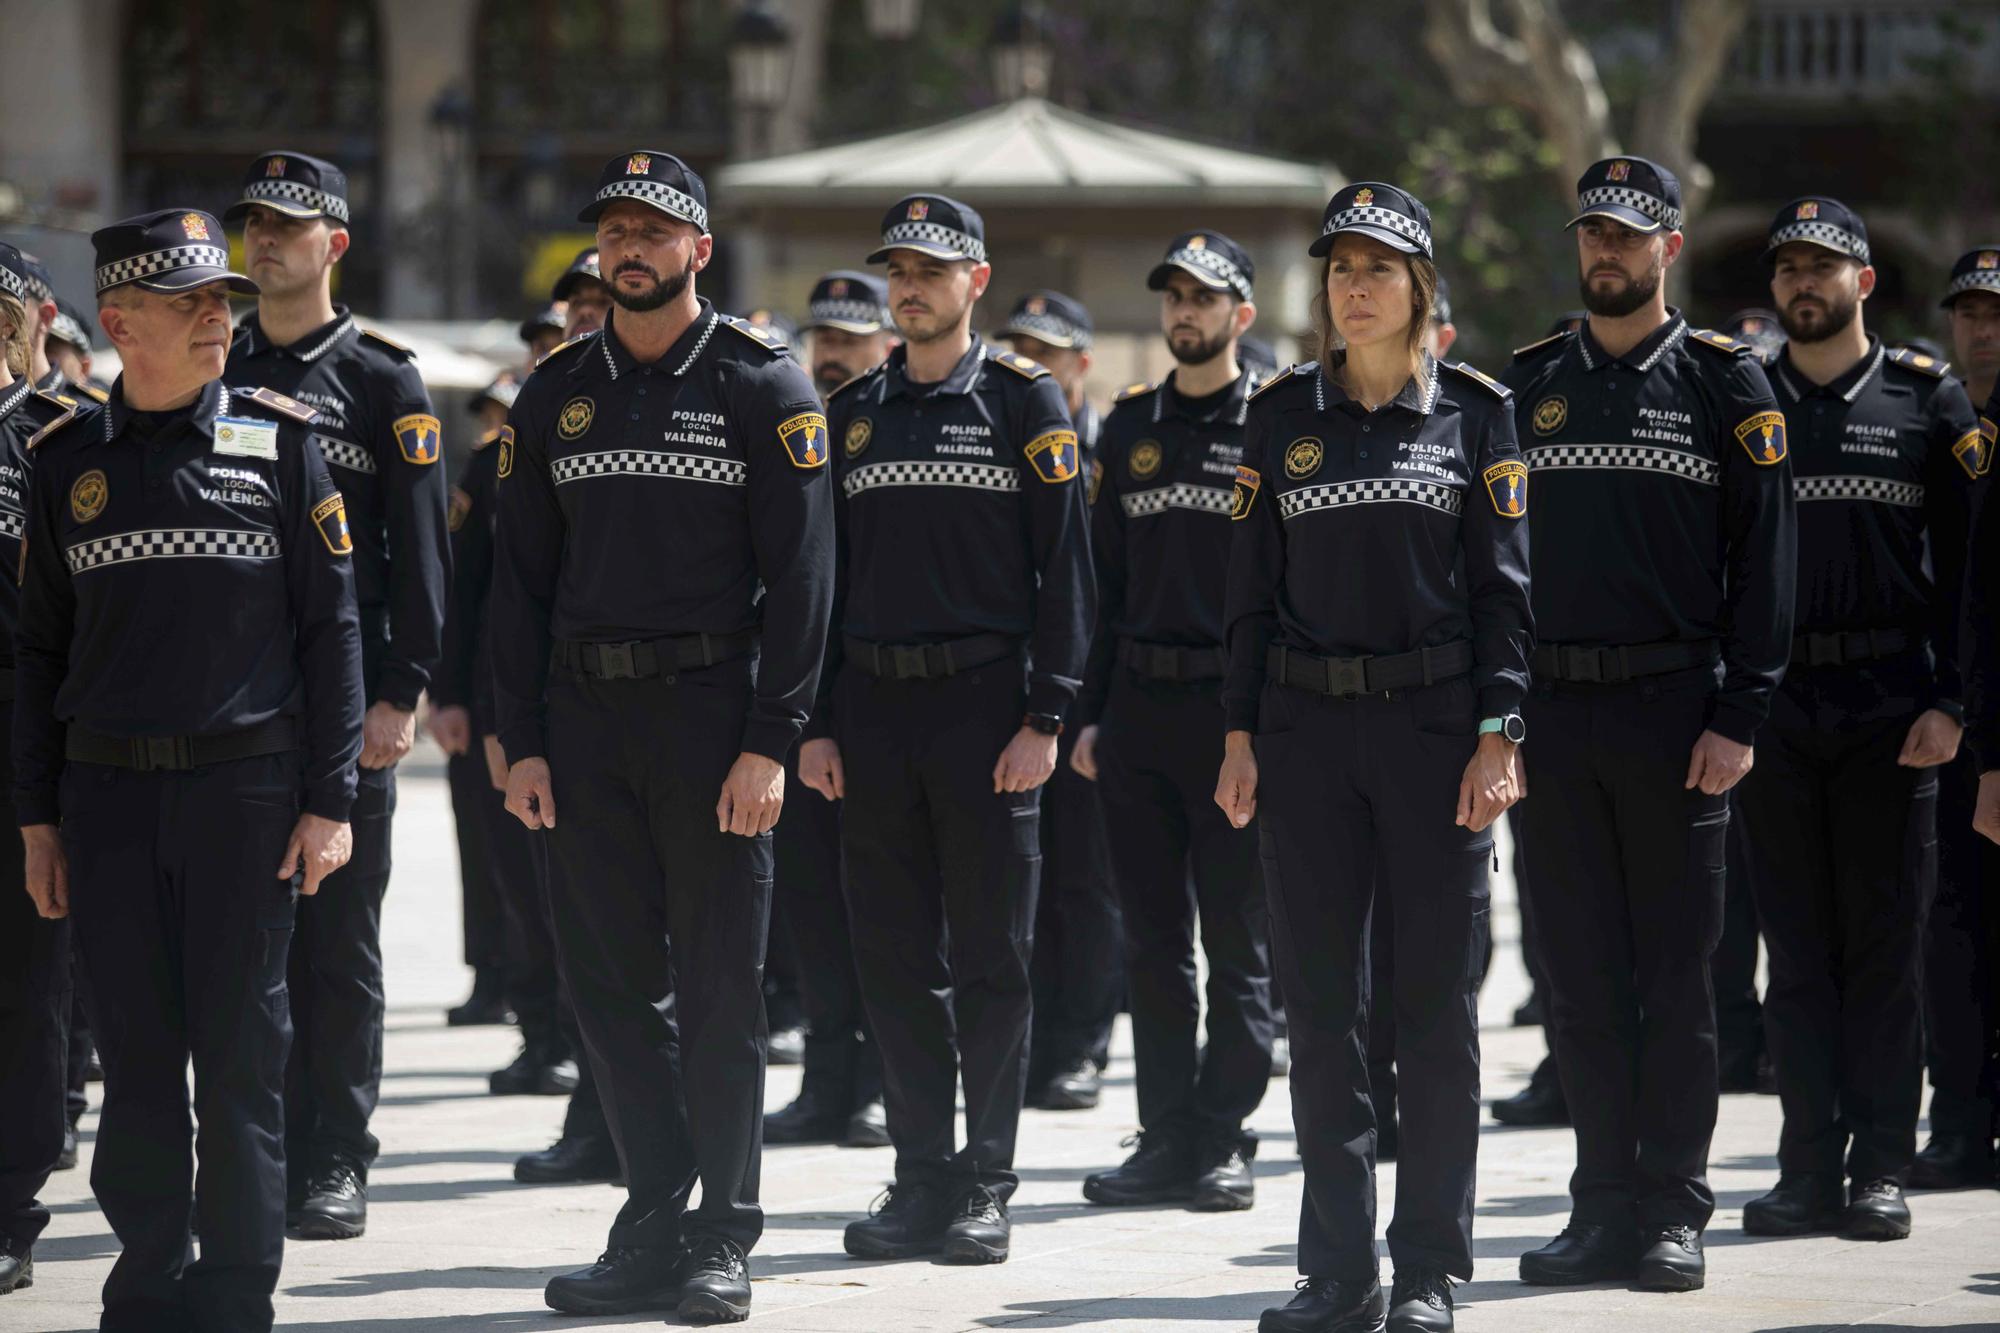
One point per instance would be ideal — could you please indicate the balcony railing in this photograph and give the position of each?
(1799, 50)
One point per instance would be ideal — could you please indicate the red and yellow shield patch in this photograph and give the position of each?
(1763, 438)
(330, 517)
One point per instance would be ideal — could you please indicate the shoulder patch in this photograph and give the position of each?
(90, 391)
(1481, 378)
(1921, 364)
(1762, 436)
(66, 410)
(279, 403)
(1135, 391)
(1302, 368)
(329, 516)
(1721, 342)
(1054, 454)
(1974, 450)
(804, 437)
(763, 337)
(560, 348)
(420, 436)
(1017, 363)
(1539, 346)
(374, 336)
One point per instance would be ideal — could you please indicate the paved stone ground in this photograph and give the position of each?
(455, 1245)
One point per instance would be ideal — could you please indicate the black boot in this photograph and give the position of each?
(979, 1231)
(1672, 1261)
(1420, 1302)
(1540, 1103)
(909, 1221)
(1325, 1306)
(809, 1119)
(1076, 1087)
(1798, 1206)
(17, 1265)
(1226, 1184)
(336, 1203)
(536, 1072)
(487, 1005)
(787, 1046)
(1953, 1161)
(66, 1159)
(625, 1279)
(570, 1158)
(1160, 1170)
(1877, 1212)
(715, 1282)
(1583, 1253)
(868, 1127)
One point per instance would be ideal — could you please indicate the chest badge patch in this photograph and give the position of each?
(1763, 438)
(859, 432)
(1974, 453)
(506, 464)
(1145, 460)
(1244, 493)
(87, 496)
(1093, 483)
(1054, 455)
(330, 517)
(1550, 414)
(1303, 457)
(460, 506)
(420, 437)
(574, 419)
(804, 437)
(1507, 484)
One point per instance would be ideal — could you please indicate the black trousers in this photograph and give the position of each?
(843, 1068)
(1626, 870)
(77, 1048)
(484, 913)
(942, 873)
(1962, 966)
(1382, 1017)
(334, 1076)
(638, 766)
(1077, 969)
(1739, 1014)
(1177, 861)
(1843, 850)
(185, 930)
(517, 868)
(1356, 800)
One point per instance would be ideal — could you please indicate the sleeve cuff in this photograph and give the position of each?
(1500, 700)
(819, 727)
(1240, 715)
(1735, 723)
(773, 740)
(37, 805)
(331, 803)
(1046, 694)
(400, 686)
(1951, 708)
(528, 740)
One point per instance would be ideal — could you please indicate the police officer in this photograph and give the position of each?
(68, 350)
(542, 332)
(960, 633)
(583, 294)
(1371, 726)
(1163, 479)
(1076, 971)
(1761, 329)
(1663, 542)
(383, 446)
(38, 306)
(777, 324)
(1841, 811)
(189, 666)
(848, 333)
(646, 718)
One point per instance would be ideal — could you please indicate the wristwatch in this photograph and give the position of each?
(1047, 723)
(1511, 727)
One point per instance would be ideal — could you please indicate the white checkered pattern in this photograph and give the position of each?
(666, 198)
(1215, 264)
(14, 285)
(1624, 458)
(1051, 329)
(846, 312)
(1625, 196)
(648, 463)
(339, 453)
(1180, 495)
(156, 262)
(12, 525)
(274, 191)
(14, 397)
(1833, 237)
(1388, 219)
(934, 233)
(1875, 489)
(339, 332)
(1977, 280)
(1339, 494)
(170, 543)
(976, 476)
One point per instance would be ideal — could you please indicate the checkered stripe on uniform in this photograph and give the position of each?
(1822, 233)
(1624, 195)
(12, 525)
(291, 192)
(977, 476)
(1340, 494)
(339, 453)
(935, 233)
(1877, 489)
(170, 543)
(156, 262)
(1978, 280)
(845, 312)
(1376, 216)
(647, 463)
(1210, 261)
(1180, 495)
(663, 197)
(1624, 458)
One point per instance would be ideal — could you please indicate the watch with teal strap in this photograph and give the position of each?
(1511, 727)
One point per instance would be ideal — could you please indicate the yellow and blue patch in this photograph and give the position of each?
(506, 450)
(805, 439)
(1974, 452)
(330, 517)
(420, 437)
(1763, 438)
(1055, 456)
(1507, 486)
(1244, 494)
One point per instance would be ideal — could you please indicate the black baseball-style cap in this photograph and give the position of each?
(583, 266)
(548, 317)
(933, 225)
(294, 184)
(1382, 212)
(848, 300)
(1631, 191)
(659, 180)
(1211, 259)
(1819, 220)
(169, 251)
(13, 274)
(41, 287)
(71, 327)
(1977, 270)
(1058, 320)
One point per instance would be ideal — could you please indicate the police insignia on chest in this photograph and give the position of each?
(1303, 457)
(575, 417)
(88, 496)
(1550, 414)
(1145, 460)
(859, 432)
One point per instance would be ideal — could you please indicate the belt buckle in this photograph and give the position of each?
(1347, 676)
(1163, 662)
(152, 754)
(909, 662)
(614, 662)
(1824, 650)
(1583, 664)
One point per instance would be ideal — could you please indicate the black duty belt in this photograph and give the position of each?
(1851, 646)
(643, 659)
(1172, 661)
(928, 661)
(1614, 666)
(150, 754)
(1368, 675)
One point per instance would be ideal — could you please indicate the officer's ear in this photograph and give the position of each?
(1865, 281)
(112, 318)
(982, 273)
(1243, 318)
(337, 241)
(1674, 241)
(704, 250)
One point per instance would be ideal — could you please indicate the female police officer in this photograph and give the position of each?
(1379, 635)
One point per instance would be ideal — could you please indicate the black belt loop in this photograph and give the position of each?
(647, 659)
(1620, 663)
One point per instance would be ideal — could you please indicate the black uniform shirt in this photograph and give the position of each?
(1159, 523)
(25, 412)
(1663, 503)
(645, 501)
(465, 672)
(172, 587)
(1981, 643)
(961, 512)
(1364, 533)
(1882, 457)
(383, 444)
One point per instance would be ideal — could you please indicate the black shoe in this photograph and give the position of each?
(1529, 1014)
(1161, 1169)
(1226, 1183)
(568, 1159)
(1326, 1306)
(806, 1120)
(1953, 1161)
(486, 1006)
(1076, 1088)
(336, 1203)
(868, 1127)
(625, 1279)
(1799, 1206)
(1583, 1253)
(1877, 1212)
(715, 1282)
(1540, 1103)
(788, 1046)
(909, 1221)
(17, 1265)
(1420, 1302)
(979, 1231)
(66, 1159)
(534, 1074)
(1672, 1261)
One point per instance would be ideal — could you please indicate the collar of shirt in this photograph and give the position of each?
(1846, 386)
(13, 396)
(964, 377)
(680, 358)
(1167, 399)
(1650, 350)
(309, 348)
(1419, 393)
(210, 403)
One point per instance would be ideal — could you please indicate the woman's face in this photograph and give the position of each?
(1368, 291)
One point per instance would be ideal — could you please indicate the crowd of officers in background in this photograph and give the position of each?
(1041, 693)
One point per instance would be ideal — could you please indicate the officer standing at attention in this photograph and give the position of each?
(962, 620)
(68, 351)
(189, 666)
(542, 332)
(1840, 812)
(655, 478)
(1147, 737)
(583, 294)
(1663, 539)
(848, 328)
(1385, 717)
(1076, 971)
(383, 446)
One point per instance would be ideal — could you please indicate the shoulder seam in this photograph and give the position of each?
(1014, 361)
(1721, 342)
(1539, 344)
(388, 342)
(1479, 377)
(1278, 379)
(1904, 358)
(1138, 390)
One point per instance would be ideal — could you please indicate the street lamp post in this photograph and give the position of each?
(760, 66)
(1022, 59)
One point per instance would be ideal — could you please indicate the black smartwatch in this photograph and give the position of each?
(1046, 723)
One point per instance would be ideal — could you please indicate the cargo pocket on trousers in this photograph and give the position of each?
(1708, 866)
(1920, 844)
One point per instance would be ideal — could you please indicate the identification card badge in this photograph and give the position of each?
(246, 438)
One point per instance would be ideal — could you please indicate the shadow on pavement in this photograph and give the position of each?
(1240, 1309)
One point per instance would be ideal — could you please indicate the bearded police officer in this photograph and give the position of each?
(848, 328)
(1662, 538)
(189, 666)
(1160, 540)
(965, 599)
(656, 478)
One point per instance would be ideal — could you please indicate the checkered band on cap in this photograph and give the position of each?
(1386, 218)
(1976, 280)
(933, 233)
(269, 190)
(1212, 261)
(1638, 200)
(666, 198)
(1828, 234)
(844, 312)
(158, 263)
(1052, 325)
(13, 284)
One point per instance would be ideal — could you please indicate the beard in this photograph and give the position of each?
(830, 375)
(664, 292)
(1817, 321)
(1629, 299)
(1199, 352)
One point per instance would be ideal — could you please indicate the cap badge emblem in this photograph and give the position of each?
(1197, 242)
(1035, 305)
(275, 167)
(1618, 171)
(837, 289)
(919, 210)
(1809, 209)
(1363, 197)
(195, 226)
(1989, 259)
(639, 164)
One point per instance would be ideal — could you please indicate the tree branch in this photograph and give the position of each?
(1704, 37)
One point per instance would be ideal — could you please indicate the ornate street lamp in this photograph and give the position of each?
(760, 68)
(1022, 58)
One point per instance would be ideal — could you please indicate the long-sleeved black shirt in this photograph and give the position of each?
(1364, 533)
(465, 672)
(177, 582)
(652, 500)
(1663, 503)
(1980, 643)
(25, 413)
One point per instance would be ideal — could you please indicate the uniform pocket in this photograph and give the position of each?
(1920, 843)
(1708, 861)
(1447, 708)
